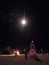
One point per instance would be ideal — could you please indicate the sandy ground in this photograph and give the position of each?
(12, 60)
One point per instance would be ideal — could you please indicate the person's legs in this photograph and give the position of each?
(25, 56)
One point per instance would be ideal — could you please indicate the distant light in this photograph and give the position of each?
(23, 22)
(18, 53)
(32, 41)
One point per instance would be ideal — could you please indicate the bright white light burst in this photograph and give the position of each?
(23, 22)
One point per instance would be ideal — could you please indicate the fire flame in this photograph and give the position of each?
(18, 53)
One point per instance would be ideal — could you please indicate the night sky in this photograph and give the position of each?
(37, 29)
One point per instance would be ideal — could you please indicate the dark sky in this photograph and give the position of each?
(37, 28)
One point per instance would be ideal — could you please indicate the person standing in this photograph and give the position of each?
(32, 52)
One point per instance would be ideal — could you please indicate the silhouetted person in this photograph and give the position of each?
(26, 51)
